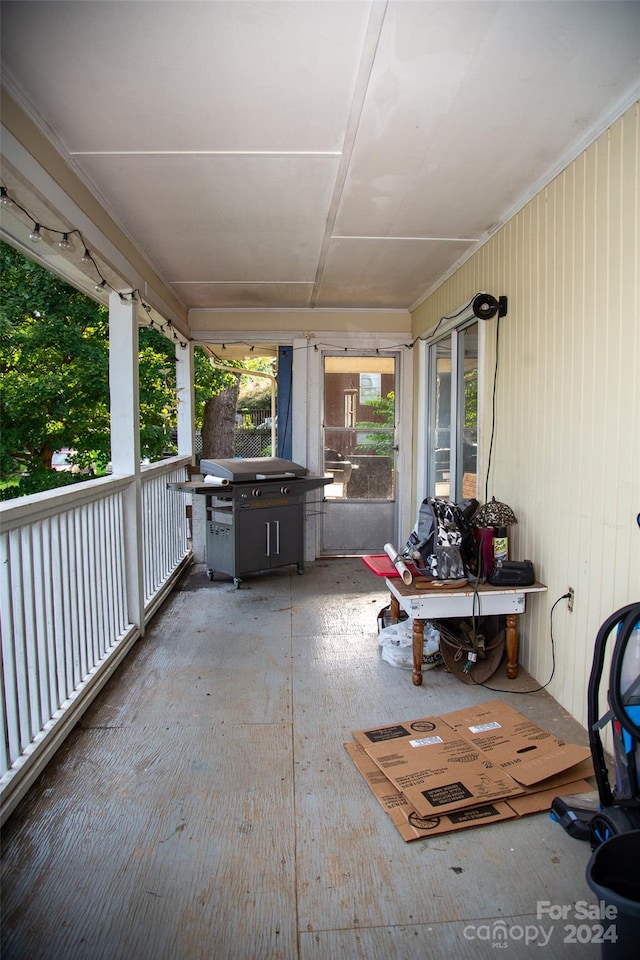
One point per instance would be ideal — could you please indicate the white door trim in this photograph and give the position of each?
(307, 396)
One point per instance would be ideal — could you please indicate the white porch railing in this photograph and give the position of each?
(64, 604)
(164, 527)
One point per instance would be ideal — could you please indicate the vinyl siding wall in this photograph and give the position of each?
(567, 443)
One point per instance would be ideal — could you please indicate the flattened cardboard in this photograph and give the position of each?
(541, 800)
(479, 755)
(577, 772)
(409, 824)
(515, 743)
(437, 770)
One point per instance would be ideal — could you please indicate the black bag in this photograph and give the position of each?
(442, 544)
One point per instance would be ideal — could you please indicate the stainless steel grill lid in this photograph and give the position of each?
(259, 468)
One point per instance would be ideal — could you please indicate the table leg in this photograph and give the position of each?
(418, 646)
(395, 609)
(512, 645)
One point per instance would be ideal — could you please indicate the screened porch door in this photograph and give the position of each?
(360, 452)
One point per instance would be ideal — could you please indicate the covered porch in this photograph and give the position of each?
(322, 177)
(205, 805)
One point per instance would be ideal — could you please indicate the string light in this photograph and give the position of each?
(133, 296)
(329, 346)
(102, 284)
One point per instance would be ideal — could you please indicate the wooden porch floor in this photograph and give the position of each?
(205, 808)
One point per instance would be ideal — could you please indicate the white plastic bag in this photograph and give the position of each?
(396, 645)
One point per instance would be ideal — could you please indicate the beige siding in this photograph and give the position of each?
(567, 444)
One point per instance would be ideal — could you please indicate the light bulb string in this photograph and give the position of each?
(126, 296)
(134, 295)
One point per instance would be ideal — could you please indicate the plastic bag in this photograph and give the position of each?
(396, 645)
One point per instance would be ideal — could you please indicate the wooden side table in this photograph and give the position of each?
(438, 603)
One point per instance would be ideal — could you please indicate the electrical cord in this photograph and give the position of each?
(475, 610)
(565, 596)
(451, 316)
(493, 412)
(317, 344)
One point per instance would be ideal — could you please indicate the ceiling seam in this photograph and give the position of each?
(367, 60)
(346, 236)
(285, 154)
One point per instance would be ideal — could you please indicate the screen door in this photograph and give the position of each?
(359, 451)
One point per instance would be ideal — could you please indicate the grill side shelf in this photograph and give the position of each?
(198, 486)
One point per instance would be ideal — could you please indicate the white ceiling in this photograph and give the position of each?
(317, 154)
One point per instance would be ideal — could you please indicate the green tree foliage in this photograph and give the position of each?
(255, 392)
(54, 367)
(379, 443)
(471, 400)
(54, 363)
(208, 382)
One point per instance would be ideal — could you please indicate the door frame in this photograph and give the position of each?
(308, 393)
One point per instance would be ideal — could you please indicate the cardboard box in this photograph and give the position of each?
(406, 820)
(515, 743)
(411, 826)
(541, 800)
(560, 781)
(466, 760)
(436, 769)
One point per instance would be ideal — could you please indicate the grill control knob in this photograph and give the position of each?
(257, 492)
(285, 490)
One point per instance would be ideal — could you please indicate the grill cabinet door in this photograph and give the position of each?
(268, 537)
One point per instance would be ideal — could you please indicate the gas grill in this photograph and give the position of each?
(255, 514)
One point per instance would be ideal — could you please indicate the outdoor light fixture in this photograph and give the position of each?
(35, 236)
